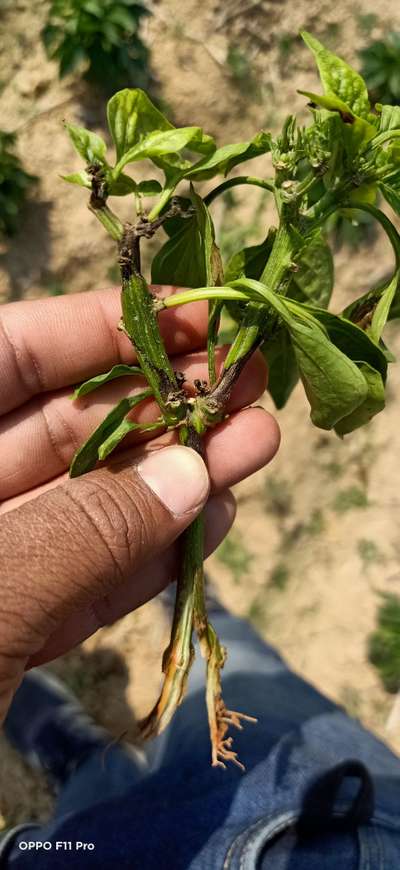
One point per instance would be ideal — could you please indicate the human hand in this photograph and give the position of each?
(79, 554)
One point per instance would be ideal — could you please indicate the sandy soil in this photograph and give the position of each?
(317, 532)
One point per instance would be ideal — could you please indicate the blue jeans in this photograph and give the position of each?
(319, 792)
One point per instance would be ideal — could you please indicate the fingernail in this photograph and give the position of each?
(178, 477)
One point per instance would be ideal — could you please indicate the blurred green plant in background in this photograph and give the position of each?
(14, 184)
(384, 643)
(104, 35)
(381, 68)
(343, 230)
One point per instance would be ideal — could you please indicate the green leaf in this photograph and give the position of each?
(390, 118)
(121, 186)
(333, 383)
(116, 437)
(225, 158)
(313, 282)
(351, 340)
(89, 145)
(131, 117)
(118, 371)
(283, 372)
(356, 131)
(81, 178)
(330, 102)
(382, 310)
(148, 188)
(250, 262)
(86, 457)
(189, 257)
(159, 144)
(373, 403)
(338, 78)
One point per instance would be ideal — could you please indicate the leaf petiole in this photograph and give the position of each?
(235, 182)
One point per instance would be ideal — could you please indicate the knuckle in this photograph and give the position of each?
(59, 433)
(116, 521)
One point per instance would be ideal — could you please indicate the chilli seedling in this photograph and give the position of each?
(278, 293)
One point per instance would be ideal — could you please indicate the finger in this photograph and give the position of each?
(219, 516)
(233, 451)
(38, 440)
(81, 540)
(50, 343)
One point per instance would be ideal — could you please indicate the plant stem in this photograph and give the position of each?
(179, 655)
(141, 325)
(234, 182)
(109, 220)
(275, 270)
(199, 294)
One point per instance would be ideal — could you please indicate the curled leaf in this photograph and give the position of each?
(283, 372)
(333, 383)
(373, 403)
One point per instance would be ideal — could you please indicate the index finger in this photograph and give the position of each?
(50, 343)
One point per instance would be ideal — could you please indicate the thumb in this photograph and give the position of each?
(75, 543)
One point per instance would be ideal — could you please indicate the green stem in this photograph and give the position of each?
(140, 323)
(109, 220)
(274, 273)
(199, 294)
(235, 182)
(179, 655)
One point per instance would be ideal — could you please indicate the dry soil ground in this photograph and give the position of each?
(317, 533)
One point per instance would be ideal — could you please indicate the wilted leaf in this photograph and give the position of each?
(351, 340)
(373, 403)
(283, 372)
(333, 383)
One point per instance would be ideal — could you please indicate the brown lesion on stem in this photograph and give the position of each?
(99, 194)
(129, 253)
(223, 389)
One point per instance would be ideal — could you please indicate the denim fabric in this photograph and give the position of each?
(319, 792)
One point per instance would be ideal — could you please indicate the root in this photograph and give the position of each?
(221, 744)
(220, 719)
